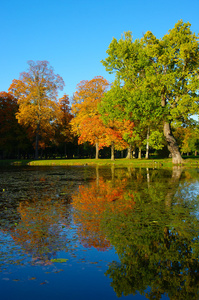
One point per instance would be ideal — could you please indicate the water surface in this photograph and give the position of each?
(98, 233)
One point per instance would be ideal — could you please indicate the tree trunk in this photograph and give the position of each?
(173, 185)
(37, 142)
(65, 149)
(97, 150)
(140, 153)
(196, 152)
(172, 145)
(113, 173)
(171, 142)
(147, 145)
(148, 176)
(97, 176)
(112, 151)
(129, 152)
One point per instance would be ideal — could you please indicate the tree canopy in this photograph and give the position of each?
(158, 79)
(37, 91)
(87, 123)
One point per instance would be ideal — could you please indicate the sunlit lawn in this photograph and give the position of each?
(166, 162)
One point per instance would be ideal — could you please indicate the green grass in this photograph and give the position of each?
(166, 162)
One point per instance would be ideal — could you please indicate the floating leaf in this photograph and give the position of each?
(59, 260)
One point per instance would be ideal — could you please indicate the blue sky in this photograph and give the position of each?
(73, 35)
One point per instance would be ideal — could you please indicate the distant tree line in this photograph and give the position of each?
(149, 106)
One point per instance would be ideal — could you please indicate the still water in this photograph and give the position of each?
(99, 233)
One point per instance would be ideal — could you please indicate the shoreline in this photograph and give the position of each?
(166, 162)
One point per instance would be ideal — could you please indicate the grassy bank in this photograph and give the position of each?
(166, 162)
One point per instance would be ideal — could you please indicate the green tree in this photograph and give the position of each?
(37, 91)
(159, 78)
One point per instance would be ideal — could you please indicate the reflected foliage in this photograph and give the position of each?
(157, 243)
(91, 202)
(36, 215)
(149, 216)
(40, 230)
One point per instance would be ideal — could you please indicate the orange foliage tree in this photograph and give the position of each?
(90, 204)
(11, 133)
(117, 131)
(37, 91)
(87, 123)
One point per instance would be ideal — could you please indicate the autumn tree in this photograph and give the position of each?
(87, 123)
(37, 91)
(11, 133)
(160, 77)
(188, 138)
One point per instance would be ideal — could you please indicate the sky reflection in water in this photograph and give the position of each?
(98, 233)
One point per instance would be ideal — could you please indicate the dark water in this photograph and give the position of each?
(99, 233)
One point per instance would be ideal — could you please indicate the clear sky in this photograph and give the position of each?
(73, 35)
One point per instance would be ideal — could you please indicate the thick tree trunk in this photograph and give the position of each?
(97, 150)
(172, 145)
(112, 151)
(173, 185)
(171, 142)
(129, 152)
(113, 173)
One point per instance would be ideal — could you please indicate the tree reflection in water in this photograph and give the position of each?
(157, 243)
(151, 220)
(149, 216)
(90, 203)
(40, 230)
(39, 225)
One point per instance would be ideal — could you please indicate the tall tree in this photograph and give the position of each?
(167, 69)
(37, 91)
(87, 123)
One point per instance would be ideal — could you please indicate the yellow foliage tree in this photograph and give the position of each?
(37, 91)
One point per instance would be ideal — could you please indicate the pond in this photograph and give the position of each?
(99, 233)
